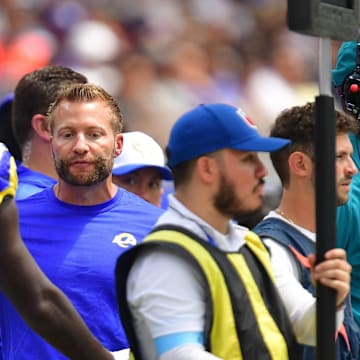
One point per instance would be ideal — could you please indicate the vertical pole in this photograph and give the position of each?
(325, 130)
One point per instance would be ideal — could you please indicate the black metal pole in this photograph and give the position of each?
(325, 221)
(338, 20)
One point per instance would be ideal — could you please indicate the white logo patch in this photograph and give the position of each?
(244, 116)
(124, 240)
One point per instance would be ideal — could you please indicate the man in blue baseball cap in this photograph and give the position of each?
(346, 81)
(201, 286)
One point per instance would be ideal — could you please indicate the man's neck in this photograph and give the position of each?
(298, 209)
(85, 195)
(205, 210)
(37, 157)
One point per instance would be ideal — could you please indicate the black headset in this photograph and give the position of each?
(351, 88)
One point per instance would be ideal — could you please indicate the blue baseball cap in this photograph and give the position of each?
(346, 62)
(211, 127)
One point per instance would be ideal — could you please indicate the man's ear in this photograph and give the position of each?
(206, 167)
(300, 163)
(40, 125)
(119, 139)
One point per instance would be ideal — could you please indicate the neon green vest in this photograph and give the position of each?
(245, 317)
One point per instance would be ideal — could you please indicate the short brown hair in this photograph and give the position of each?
(298, 125)
(87, 93)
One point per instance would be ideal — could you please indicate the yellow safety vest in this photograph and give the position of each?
(245, 318)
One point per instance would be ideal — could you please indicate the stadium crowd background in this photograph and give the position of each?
(160, 58)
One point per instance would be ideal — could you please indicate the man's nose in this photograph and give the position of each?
(81, 144)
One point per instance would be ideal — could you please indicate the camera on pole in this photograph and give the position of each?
(336, 19)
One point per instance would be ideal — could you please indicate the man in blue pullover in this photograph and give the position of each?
(346, 85)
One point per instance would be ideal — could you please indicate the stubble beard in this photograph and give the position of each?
(101, 171)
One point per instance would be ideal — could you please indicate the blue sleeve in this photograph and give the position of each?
(168, 342)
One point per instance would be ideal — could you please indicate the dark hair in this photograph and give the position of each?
(181, 172)
(87, 93)
(298, 125)
(35, 92)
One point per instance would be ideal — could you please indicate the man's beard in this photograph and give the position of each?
(226, 202)
(100, 173)
(225, 199)
(342, 200)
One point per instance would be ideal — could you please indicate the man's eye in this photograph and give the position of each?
(130, 181)
(155, 184)
(66, 135)
(249, 158)
(95, 135)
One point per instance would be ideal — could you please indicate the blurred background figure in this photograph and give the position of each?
(140, 168)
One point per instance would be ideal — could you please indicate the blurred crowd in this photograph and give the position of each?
(160, 58)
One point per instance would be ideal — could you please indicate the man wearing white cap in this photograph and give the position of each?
(140, 168)
(200, 286)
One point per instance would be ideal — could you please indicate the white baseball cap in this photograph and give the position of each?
(139, 151)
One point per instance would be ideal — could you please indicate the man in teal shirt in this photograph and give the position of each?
(346, 81)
